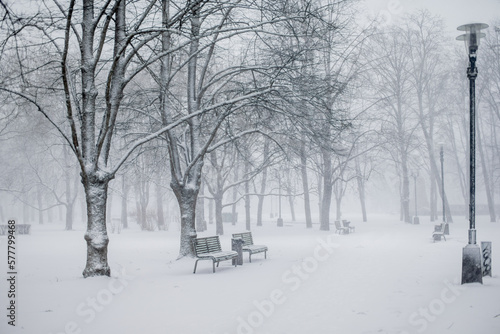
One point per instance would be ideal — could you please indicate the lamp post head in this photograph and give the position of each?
(472, 35)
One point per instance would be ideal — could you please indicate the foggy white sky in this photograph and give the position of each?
(455, 12)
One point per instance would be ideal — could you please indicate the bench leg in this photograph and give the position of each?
(250, 257)
(265, 255)
(195, 264)
(213, 265)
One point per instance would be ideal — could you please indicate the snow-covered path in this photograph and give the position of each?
(388, 277)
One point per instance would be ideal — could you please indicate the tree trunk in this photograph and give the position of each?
(433, 197)
(96, 235)
(263, 183)
(186, 198)
(138, 209)
(109, 203)
(211, 211)
(327, 191)
(219, 226)
(406, 188)
(305, 183)
(50, 216)
(124, 215)
(69, 216)
(235, 191)
(247, 196)
(159, 206)
(487, 182)
(200, 211)
(289, 194)
(338, 206)
(40, 204)
(320, 195)
(361, 189)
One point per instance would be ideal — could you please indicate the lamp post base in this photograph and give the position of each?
(471, 264)
(280, 222)
(416, 220)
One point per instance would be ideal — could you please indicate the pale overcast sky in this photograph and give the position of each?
(455, 12)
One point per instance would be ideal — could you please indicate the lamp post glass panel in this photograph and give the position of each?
(471, 255)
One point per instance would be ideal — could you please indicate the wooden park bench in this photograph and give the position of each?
(20, 229)
(347, 224)
(439, 231)
(248, 245)
(208, 248)
(340, 229)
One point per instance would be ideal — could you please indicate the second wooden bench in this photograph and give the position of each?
(248, 245)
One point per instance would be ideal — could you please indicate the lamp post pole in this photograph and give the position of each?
(471, 256)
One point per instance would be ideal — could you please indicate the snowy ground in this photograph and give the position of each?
(388, 277)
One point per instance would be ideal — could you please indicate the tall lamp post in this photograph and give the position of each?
(471, 255)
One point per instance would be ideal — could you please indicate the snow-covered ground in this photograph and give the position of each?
(388, 277)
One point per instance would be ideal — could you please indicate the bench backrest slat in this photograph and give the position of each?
(207, 245)
(246, 236)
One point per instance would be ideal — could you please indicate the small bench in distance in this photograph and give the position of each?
(340, 229)
(439, 231)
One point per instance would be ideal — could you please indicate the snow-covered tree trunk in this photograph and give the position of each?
(187, 198)
(96, 191)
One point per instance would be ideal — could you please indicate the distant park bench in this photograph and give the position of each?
(340, 229)
(20, 229)
(347, 224)
(248, 245)
(439, 231)
(209, 248)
